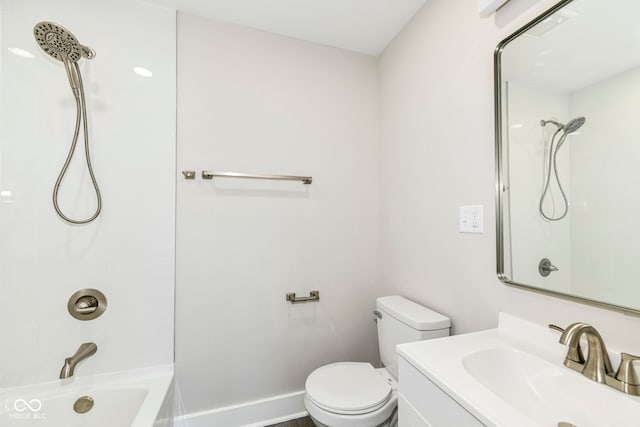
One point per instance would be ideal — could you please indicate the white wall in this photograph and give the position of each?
(250, 101)
(436, 98)
(128, 252)
(603, 254)
(436, 82)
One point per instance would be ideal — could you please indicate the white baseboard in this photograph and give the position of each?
(258, 413)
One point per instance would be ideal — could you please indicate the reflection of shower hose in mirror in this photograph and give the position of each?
(81, 114)
(552, 161)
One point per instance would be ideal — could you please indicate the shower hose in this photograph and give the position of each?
(552, 161)
(81, 115)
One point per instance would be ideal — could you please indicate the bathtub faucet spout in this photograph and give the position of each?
(85, 350)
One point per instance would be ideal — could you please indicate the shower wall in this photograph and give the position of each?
(250, 101)
(128, 252)
(590, 240)
(533, 238)
(605, 203)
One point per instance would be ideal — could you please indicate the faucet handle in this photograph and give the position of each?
(575, 357)
(555, 328)
(627, 372)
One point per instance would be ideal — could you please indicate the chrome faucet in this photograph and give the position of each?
(597, 366)
(85, 350)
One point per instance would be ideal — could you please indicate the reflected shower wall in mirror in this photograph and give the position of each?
(568, 150)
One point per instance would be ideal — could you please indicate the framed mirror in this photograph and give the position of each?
(567, 99)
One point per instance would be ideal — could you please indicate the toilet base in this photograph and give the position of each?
(391, 422)
(372, 419)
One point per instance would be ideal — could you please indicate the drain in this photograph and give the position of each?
(83, 405)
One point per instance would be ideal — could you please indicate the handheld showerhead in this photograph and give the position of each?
(571, 126)
(574, 125)
(59, 43)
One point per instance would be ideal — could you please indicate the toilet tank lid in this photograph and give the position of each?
(415, 315)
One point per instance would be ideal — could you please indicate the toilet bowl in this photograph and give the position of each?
(355, 394)
(351, 394)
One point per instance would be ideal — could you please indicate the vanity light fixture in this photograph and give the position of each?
(551, 22)
(487, 7)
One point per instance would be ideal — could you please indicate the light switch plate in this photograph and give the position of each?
(472, 219)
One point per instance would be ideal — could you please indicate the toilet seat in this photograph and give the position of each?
(348, 388)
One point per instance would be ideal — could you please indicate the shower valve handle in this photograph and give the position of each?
(86, 305)
(545, 267)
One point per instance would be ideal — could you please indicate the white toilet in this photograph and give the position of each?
(349, 394)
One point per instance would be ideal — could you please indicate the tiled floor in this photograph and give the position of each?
(300, 422)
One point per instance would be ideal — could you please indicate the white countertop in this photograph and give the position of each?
(443, 362)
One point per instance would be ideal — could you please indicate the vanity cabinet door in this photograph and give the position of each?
(408, 416)
(435, 407)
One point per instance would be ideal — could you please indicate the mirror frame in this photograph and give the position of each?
(501, 174)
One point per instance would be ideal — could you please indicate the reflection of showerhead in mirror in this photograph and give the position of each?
(570, 127)
(574, 125)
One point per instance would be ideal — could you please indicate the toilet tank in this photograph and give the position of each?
(401, 321)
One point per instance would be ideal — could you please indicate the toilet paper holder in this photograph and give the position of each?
(313, 296)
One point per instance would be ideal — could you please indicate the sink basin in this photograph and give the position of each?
(514, 376)
(552, 393)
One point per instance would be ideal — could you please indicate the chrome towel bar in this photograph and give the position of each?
(313, 296)
(211, 175)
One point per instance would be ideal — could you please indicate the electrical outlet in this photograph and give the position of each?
(472, 219)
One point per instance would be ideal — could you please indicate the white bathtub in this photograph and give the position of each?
(122, 399)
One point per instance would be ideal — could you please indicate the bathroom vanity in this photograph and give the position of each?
(509, 376)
